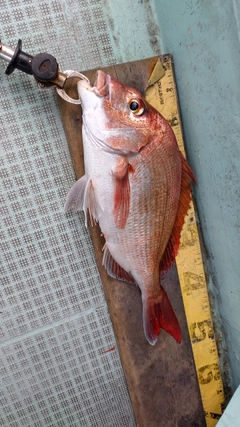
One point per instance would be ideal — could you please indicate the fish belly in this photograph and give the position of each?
(154, 196)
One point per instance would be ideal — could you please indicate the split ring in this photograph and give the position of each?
(62, 93)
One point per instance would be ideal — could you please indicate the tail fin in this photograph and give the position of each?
(158, 314)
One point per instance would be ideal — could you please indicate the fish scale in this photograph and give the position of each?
(147, 228)
(163, 96)
(140, 228)
(141, 224)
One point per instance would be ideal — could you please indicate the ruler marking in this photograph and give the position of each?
(163, 97)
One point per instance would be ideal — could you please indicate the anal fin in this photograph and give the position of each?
(113, 268)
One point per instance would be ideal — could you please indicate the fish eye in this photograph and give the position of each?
(134, 105)
(137, 107)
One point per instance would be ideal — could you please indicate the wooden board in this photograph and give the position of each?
(161, 380)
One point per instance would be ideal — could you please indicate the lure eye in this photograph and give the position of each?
(137, 107)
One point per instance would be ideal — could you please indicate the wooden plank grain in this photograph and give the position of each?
(161, 380)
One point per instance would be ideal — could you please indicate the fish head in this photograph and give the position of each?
(116, 116)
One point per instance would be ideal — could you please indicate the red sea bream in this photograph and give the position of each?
(137, 187)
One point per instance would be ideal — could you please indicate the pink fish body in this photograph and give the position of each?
(137, 186)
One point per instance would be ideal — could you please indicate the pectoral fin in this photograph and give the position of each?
(122, 192)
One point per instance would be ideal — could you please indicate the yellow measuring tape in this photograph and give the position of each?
(163, 96)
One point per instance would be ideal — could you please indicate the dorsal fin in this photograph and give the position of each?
(184, 203)
(113, 268)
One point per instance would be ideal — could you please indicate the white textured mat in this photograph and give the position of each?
(54, 324)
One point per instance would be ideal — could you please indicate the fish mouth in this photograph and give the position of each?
(100, 86)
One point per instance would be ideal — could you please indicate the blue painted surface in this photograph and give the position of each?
(231, 417)
(203, 38)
